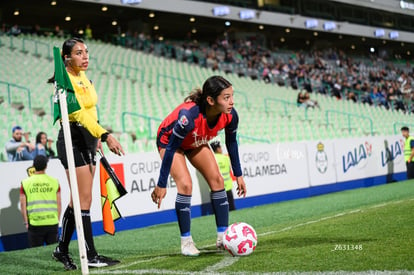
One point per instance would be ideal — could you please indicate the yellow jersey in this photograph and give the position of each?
(86, 95)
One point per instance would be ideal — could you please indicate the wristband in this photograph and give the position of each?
(104, 136)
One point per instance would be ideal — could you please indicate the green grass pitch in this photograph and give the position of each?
(363, 230)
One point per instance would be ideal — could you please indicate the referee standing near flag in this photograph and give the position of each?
(87, 135)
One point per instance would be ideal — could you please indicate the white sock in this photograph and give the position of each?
(185, 238)
(220, 235)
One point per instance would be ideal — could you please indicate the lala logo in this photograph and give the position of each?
(391, 152)
(357, 157)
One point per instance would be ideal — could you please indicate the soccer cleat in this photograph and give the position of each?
(101, 261)
(64, 258)
(188, 247)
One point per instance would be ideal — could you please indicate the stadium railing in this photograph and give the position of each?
(398, 124)
(125, 71)
(285, 104)
(349, 116)
(148, 120)
(19, 87)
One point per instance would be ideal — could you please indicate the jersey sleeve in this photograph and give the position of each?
(87, 121)
(412, 143)
(183, 126)
(231, 143)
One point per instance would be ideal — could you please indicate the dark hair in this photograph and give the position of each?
(405, 128)
(39, 137)
(66, 50)
(17, 127)
(213, 87)
(40, 162)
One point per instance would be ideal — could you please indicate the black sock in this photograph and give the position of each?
(68, 226)
(87, 231)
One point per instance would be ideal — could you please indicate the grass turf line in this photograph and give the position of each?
(383, 231)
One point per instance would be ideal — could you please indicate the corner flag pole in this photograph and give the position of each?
(73, 181)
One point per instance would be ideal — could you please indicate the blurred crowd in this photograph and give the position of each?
(367, 79)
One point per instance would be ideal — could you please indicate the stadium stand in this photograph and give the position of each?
(137, 88)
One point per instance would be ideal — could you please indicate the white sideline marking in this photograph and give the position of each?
(225, 262)
(127, 265)
(332, 217)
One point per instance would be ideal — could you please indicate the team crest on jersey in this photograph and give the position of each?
(183, 121)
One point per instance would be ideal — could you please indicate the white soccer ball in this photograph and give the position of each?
(240, 239)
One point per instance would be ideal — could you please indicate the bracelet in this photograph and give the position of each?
(104, 136)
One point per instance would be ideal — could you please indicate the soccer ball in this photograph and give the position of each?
(240, 239)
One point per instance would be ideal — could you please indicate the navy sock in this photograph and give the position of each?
(87, 231)
(221, 209)
(183, 210)
(68, 227)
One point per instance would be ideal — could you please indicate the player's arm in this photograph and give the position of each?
(233, 150)
(182, 127)
(83, 117)
(12, 146)
(23, 209)
(96, 130)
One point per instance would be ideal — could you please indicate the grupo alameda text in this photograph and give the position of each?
(146, 176)
(252, 166)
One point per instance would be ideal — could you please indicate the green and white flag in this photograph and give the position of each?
(62, 83)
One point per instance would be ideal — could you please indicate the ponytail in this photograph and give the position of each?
(212, 87)
(194, 96)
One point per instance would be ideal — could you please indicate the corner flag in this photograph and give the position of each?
(62, 81)
(111, 190)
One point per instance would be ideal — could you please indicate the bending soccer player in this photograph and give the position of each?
(87, 135)
(185, 133)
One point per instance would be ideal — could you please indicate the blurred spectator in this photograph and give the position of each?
(304, 100)
(15, 30)
(17, 149)
(88, 32)
(43, 142)
(36, 30)
(58, 32)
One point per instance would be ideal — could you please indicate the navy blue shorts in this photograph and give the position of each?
(83, 144)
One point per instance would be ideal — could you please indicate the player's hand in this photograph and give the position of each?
(158, 195)
(114, 145)
(241, 187)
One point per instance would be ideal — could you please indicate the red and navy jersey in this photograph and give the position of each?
(190, 125)
(187, 128)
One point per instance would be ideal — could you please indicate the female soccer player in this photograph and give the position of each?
(87, 136)
(186, 132)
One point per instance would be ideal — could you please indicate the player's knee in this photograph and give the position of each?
(185, 188)
(85, 202)
(216, 182)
